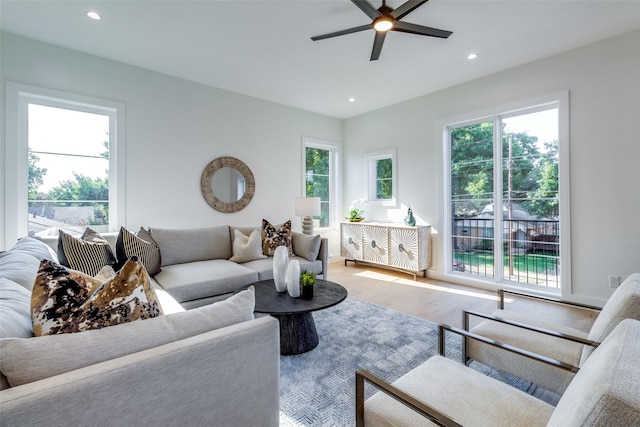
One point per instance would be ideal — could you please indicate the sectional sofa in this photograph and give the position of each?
(214, 364)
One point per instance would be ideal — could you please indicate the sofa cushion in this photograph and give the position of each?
(202, 279)
(19, 267)
(87, 254)
(306, 246)
(28, 360)
(66, 301)
(274, 236)
(140, 245)
(247, 248)
(196, 244)
(15, 310)
(35, 248)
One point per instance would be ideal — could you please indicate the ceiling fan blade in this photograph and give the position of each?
(342, 32)
(406, 27)
(367, 8)
(406, 8)
(377, 45)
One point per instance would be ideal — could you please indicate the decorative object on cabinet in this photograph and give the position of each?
(410, 220)
(393, 246)
(355, 215)
(307, 208)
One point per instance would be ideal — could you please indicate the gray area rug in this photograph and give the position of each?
(318, 388)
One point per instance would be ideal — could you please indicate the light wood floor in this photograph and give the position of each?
(437, 301)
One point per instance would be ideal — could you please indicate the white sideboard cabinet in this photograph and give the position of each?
(386, 244)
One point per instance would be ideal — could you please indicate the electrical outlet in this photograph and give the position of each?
(614, 281)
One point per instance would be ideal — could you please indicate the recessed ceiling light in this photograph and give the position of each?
(472, 56)
(352, 99)
(94, 15)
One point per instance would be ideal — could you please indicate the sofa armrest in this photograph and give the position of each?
(229, 376)
(323, 255)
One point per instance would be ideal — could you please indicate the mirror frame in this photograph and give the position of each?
(207, 190)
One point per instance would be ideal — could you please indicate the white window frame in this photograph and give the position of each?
(19, 96)
(370, 159)
(559, 100)
(335, 179)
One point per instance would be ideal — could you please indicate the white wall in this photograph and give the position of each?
(174, 129)
(604, 84)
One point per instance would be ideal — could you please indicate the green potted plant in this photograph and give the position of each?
(307, 280)
(355, 215)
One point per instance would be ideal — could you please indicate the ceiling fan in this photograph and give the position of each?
(386, 19)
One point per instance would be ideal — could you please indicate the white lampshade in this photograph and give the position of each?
(307, 206)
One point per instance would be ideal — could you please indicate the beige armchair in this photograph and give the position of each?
(551, 339)
(605, 392)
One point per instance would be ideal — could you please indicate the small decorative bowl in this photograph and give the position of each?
(355, 219)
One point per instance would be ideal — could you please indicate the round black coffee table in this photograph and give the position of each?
(297, 329)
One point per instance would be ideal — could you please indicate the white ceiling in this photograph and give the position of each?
(263, 49)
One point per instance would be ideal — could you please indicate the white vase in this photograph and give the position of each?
(280, 262)
(293, 278)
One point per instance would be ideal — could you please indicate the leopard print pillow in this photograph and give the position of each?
(65, 301)
(274, 236)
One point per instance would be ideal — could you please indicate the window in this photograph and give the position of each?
(509, 164)
(381, 167)
(320, 177)
(65, 155)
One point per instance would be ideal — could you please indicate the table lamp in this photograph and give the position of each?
(307, 208)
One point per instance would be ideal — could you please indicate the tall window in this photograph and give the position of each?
(68, 169)
(505, 198)
(320, 178)
(65, 157)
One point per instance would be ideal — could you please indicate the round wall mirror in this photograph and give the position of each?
(227, 184)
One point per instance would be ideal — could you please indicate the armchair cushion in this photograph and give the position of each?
(26, 360)
(467, 396)
(624, 303)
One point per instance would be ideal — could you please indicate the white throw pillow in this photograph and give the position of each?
(247, 248)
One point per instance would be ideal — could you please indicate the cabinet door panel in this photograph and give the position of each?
(404, 248)
(375, 244)
(351, 241)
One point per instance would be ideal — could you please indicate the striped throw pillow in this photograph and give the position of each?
(140, 245)
(87, 254)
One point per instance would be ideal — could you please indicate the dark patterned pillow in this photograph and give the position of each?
(274, 236)
(140, 245)
(65, 301)
(87, 254)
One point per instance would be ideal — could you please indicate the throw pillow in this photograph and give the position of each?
(26, 361)
(65, 301)
(306, 246)
(140, 245)
(274, 236)
(247, 248)
(87, 254)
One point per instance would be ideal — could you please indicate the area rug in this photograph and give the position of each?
(317, 388)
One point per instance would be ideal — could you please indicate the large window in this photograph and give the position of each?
(65, 158)
(320, 160)
(506, 198)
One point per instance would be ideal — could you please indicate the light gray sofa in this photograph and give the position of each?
(196, 269)
(213, 365)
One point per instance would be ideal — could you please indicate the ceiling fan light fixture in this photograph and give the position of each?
(384, 23)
